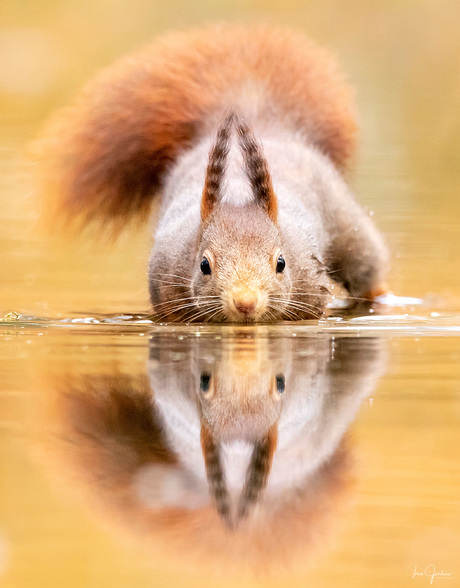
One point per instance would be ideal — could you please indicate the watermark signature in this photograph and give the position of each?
(432, 573)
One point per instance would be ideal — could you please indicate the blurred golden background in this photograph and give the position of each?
(403, 59)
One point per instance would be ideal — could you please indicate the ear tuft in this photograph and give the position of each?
(215, 475)
(258, 471)
(257, 170)
(216, 167)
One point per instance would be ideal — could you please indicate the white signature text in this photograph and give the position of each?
(431, 572)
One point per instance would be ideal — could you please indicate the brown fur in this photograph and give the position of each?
(105, 157)
(257, 170)
(258, 471)
(216, 168)
(215, 475)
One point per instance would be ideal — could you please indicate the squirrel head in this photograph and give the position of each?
(240, 265)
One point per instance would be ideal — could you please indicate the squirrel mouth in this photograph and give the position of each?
(242, 316)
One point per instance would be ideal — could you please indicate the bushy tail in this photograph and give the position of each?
(105, 157)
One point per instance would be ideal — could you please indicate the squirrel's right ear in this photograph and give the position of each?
(216, 168)
(257, 170)
(215, 475)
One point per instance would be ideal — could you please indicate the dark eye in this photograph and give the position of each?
(205, 379)
(205, 266)
(280, 383)
(280, 265)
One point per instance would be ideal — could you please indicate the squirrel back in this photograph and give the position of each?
(106, 156)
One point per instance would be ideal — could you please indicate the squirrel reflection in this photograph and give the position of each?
(235, 442)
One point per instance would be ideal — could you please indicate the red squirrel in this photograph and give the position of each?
(239, 136)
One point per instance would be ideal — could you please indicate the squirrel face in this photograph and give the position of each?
(241, 273)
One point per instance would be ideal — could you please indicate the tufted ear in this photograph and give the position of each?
(258, 471)
(215, 475)
(216, 168)
(257, 170)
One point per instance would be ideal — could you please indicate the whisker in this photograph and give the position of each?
(206, 306)
(293, 302)
(272, 316)
(176, 276)
(215, 313)
(195, 298)
(301, 306)
(177, 308)
(346, 296)
(197, 315)
(286, 311)
(173, 306)
(168, 284)
(297, 290)
(298, 293)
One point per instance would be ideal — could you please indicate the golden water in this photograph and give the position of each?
(102, 480)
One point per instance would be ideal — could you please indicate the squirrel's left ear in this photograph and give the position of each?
(257, 171)
(258, 471)
(216, 168)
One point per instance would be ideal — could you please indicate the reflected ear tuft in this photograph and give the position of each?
(215, 475)
(258, 471)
